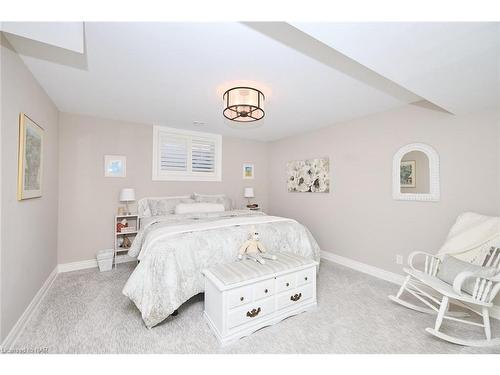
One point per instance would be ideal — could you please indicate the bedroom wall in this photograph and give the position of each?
(89, 201)
(359, 219)
(26, 260)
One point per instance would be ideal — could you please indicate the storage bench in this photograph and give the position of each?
(244, 296)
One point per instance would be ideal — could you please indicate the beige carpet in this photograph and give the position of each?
(85, 312)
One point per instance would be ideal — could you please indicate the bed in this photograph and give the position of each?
(174, 249)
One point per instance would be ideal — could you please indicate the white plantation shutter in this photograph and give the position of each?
(186, 156)
(173, 153)
(203, 155)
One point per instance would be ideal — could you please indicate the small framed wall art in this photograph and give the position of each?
(407, 176)
(115, 166)
(248, 171)
(30, 159)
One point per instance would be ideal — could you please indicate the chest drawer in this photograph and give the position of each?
(250, 312)
(305, 276)
(239, 297)
(263, 289)
(294, 296)
(286, 282)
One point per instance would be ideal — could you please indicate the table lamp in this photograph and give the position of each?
(127, 195)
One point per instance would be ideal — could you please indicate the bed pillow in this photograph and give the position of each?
(450, 267)
(166, 206)
(190, 208)
(214, 198)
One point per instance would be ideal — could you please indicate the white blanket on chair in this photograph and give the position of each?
(471, 237)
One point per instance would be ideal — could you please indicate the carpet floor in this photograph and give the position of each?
(85, 312)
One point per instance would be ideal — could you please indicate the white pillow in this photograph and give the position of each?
(166, 205)
(189, 208)
(214, 198)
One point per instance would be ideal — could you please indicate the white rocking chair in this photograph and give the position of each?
(437, 299)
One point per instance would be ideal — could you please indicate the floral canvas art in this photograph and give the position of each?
(309, 176)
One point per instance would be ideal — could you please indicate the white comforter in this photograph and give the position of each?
(174, 251)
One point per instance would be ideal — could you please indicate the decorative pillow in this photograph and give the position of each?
(450, 267)
(166, 206)
(214, 198)
(189, 208)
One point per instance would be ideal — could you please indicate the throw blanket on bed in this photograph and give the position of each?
(471, 237)
(175, 251)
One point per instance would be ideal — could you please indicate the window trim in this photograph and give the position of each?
(158, 175)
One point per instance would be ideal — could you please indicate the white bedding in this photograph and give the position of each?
(175, 249)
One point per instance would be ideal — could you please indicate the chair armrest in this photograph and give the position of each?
(431, 261)
(462, 276)
(459, 280)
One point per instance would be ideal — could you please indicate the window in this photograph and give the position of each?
(181, 155)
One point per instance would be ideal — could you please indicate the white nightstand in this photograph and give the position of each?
(130, 233)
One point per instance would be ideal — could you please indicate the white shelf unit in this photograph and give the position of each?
(133, 220)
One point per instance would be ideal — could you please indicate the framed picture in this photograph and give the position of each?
(115, 166)
(248, 171)
(407, 174)
(30, 159)
(308, 176)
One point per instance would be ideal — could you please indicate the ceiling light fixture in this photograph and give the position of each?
(243, 104)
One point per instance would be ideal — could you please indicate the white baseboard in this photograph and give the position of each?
(363, 267)
(380, 273)
(14, 333)
(75, 266)
(90, 263)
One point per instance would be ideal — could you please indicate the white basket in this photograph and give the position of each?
(105, 259)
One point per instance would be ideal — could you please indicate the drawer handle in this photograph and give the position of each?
(265, 291)
(305, 278)
(287, 284)
(253, 313)
(296, 297)
(242, 298)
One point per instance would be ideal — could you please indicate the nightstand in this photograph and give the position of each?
(125, 234)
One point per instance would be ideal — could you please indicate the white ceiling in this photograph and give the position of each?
(454, 65)
(175, 73)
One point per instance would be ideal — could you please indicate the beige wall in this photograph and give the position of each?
(88, 200)
(358, 218)
(29, 228)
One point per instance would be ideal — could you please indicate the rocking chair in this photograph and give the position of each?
(471, 289)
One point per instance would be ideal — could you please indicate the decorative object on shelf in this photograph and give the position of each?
(248, 171)
(129, 229)
(119, 241)
(126, 243)
(309, 176)
(254, 249)
(30, 159)
(243, 104)
(115, 166)
(121, 210)
(407, 174)
(127, 195)
(122, 224)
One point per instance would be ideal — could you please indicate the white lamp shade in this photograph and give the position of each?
(127, 195)
(248, 192)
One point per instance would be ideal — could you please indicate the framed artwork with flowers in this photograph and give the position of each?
(308, 176)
